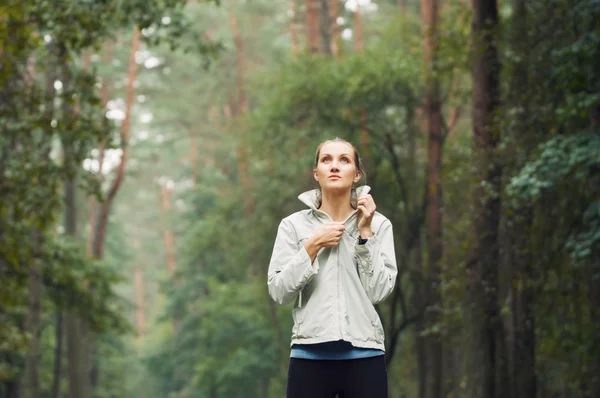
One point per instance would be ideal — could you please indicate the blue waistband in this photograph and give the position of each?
(332, 350)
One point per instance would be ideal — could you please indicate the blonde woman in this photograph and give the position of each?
(336, 260)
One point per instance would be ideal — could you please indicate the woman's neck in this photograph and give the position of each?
(337, 206)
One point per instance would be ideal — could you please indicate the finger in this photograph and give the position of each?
(363, 209)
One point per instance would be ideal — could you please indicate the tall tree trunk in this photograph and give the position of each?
(31, 384)
(169, 241)
(483, 260)
(432, 113)
(104, 210)
(520, 324)
(335, 33)
(102, 222)
(31, 377)
(77, 367)
(241, 105)
(168, 236)
(358, 30)
(325, 26)
(76, 339)
(138, 277)
(362, 113)
(312, 25)
(58, 353)
(594, 297)
(294, 27)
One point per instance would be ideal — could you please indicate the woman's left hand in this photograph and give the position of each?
(366, 206)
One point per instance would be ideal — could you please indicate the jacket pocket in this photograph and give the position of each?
(298, 317)
(378, 332)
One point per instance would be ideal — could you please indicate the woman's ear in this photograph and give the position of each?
(357, 176)
(315, 175)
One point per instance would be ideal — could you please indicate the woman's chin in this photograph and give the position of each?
(336, 186)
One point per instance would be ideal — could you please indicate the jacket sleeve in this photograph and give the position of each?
(290, 267)
(376, 262)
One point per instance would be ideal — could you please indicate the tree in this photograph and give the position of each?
(483, 261)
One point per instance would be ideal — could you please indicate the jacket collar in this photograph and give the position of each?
(309, 198)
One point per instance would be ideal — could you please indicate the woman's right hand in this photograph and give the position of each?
(327, 235)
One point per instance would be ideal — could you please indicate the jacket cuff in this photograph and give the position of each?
(310, 270)
(363, 255)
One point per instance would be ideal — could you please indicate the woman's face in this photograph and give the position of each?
(336, 168)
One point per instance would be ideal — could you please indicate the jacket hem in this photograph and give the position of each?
(325, 339)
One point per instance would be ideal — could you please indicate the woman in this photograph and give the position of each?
(337, 260)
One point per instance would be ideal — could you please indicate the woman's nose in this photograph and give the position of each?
(334, 166)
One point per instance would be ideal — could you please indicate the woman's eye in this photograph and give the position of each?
(326, 159)
(345, 160)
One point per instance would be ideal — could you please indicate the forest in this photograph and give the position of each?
(150, 148)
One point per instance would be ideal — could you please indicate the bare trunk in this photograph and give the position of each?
(75, 341)
(483, 261)
(31, 377)
(241, 108)
(104, 209)
(336, 34)
(139, 301)
(594, 297)
(312, 25)
(58, 353)
(169, 241)
(358, 30)
(362, 113)
(520, 326)
(77, 364)
(194, 159)
(325, 27)
(100, 232)
(294, 27)
(168, 236)
(432, 114)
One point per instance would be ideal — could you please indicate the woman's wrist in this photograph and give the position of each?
(312, 247)
(365, 233)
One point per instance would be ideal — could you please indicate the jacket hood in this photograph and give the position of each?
(309, 198)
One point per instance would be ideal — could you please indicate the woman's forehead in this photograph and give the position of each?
(337, 148)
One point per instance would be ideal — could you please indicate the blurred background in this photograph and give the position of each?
(149, 149)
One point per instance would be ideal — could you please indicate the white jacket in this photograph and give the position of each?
(336, 293)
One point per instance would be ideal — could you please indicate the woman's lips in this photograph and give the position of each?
(334, 177)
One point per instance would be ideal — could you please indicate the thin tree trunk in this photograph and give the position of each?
(100, 231)
(77, 365)
(520, 328)
(362, 113)
(594, 297)
(483, 260)
(31, 378)
(194, 159)
(169, 241)
(294, 27)
(241, 114)
(312, 25)
(335, 33)
(138, 277)
(58, 353)
(325, 27)
(168, 236)
(433, 128)
(104, 210)
(75, 341)
(358, 30)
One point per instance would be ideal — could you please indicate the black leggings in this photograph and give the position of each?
(352, 378)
